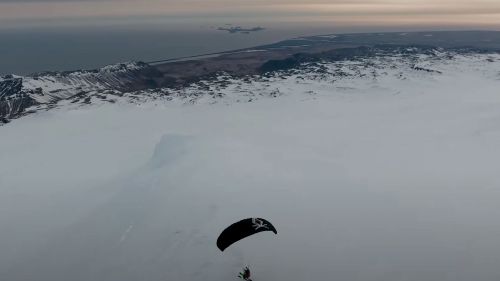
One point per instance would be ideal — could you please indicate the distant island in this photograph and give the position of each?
(239, 29)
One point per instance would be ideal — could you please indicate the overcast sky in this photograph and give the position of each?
(473, 13)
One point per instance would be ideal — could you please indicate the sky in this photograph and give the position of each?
(471, 13)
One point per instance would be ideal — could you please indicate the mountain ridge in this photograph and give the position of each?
(22, 95)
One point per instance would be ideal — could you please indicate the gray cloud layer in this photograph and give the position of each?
(374, 11)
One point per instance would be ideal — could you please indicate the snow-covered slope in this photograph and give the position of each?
(45, 89)
(20, 96)
(382, 168)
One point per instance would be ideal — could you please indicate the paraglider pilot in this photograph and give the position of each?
(245, 275)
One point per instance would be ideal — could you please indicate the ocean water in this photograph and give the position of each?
(28, 50)
(70, 44)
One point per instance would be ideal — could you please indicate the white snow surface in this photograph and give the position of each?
(370, 170)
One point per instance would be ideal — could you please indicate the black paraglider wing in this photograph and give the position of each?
(242, 229)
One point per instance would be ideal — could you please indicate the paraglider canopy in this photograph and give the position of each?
(242, 229)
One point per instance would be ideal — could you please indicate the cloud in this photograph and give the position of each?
(350, 10)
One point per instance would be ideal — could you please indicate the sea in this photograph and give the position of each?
(31, 49)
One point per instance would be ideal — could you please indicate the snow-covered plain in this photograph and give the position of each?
(370, 170)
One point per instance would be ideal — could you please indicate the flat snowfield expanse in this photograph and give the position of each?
(389, 178)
